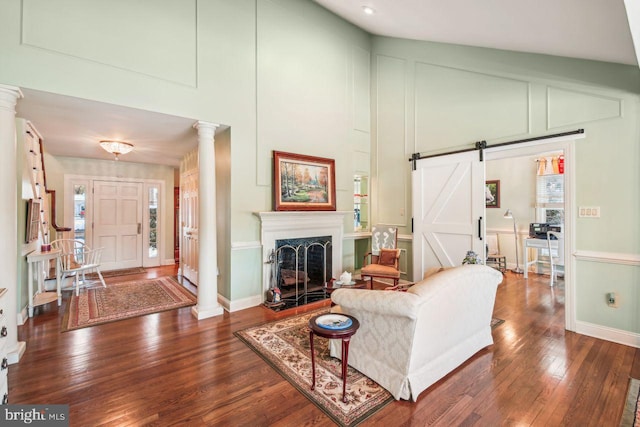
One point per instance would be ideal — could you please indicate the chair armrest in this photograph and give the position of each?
(364, 262)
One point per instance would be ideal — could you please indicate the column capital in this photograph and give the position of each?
(9, 96)
(205, 127)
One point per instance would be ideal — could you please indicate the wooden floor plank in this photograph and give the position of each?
(171, 369)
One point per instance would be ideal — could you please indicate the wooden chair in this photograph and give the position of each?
(384, 256)
(557, 258)
(494, 258)
(77, 259)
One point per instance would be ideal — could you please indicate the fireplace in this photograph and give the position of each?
(312, 232)
(301, 268)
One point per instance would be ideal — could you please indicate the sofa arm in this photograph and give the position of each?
(401, 304)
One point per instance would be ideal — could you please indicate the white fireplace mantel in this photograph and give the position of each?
(302, 224)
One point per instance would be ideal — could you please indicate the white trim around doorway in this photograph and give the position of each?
(566, 144)
(163, 211)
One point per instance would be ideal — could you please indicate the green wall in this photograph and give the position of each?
(431, 97)
(288, 75)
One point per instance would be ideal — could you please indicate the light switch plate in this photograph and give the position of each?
(589, 212)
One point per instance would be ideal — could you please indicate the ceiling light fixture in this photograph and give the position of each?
(116, 147)
(368, 10)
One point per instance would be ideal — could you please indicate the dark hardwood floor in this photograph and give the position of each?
(171, 369)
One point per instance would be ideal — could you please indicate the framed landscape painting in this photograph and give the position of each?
(303, 183)
(492, 194)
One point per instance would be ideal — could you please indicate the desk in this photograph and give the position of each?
(39, 263)
(536, 244)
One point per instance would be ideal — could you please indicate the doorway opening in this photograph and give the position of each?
(122, 216)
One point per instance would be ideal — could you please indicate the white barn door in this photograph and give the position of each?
(448, 210)
(118, 223)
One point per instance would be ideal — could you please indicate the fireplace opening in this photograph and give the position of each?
(301, 268)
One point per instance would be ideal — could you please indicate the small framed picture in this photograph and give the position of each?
(492, 194)
(303, 183)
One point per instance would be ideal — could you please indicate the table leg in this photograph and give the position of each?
(525, 256)
(30, 287)
(345, 359)
(58, 284)
(313, 362)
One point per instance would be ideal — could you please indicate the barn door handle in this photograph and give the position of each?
(139, 228)
(480, 228)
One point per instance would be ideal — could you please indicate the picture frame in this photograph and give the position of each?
(492, 193)
(33, 221)
(303, 183)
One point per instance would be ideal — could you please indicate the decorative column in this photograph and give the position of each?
(9, 95)
(207, 305)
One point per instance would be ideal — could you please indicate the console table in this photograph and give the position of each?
(536, 244)
(38, 263)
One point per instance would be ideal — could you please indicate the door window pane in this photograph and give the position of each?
(153, 222)
(79, 210)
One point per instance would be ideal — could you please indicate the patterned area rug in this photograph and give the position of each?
(631, 413)
(284, 344)
(125, 300)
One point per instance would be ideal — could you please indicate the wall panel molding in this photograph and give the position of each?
(608, 257)
(145, 40)
(567, 107)
(391, 104)
(493, 107)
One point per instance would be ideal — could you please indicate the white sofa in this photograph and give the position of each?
(409, 340)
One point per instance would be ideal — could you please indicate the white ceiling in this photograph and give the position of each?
(588, 29)
(73, 127)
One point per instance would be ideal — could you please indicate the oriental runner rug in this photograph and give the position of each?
(284, 345)
(124, 300)
(631, 412)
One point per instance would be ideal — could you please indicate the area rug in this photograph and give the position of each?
(116, 273)
(284, 344)
(631, 412)
(124, 300)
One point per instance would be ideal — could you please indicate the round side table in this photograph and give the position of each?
(342, 334)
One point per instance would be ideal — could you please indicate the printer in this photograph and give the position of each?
(538, 230)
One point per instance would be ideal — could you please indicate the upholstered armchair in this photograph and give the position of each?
(383, 260)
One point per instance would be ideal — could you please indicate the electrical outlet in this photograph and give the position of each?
(589, 212)
(612, 300)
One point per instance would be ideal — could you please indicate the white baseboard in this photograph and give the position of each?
(609, 334)
(241, 304)
(22, 316)
(169, 262)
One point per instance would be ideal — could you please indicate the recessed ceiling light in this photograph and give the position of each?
(368, 10)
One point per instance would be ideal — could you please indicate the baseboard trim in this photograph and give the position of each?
(169, 262)
(22, 316)
(609, 334)
(240, 304)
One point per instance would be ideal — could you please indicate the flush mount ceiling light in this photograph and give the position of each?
(116, 147)
(368, 10)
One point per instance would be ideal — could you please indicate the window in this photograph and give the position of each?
(550, 189)
(153, 222)
(79, 211)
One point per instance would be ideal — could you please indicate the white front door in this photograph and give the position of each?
(189, 222)
(117, 223)
(448, 210)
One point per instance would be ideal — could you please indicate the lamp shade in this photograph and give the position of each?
(116, 147)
